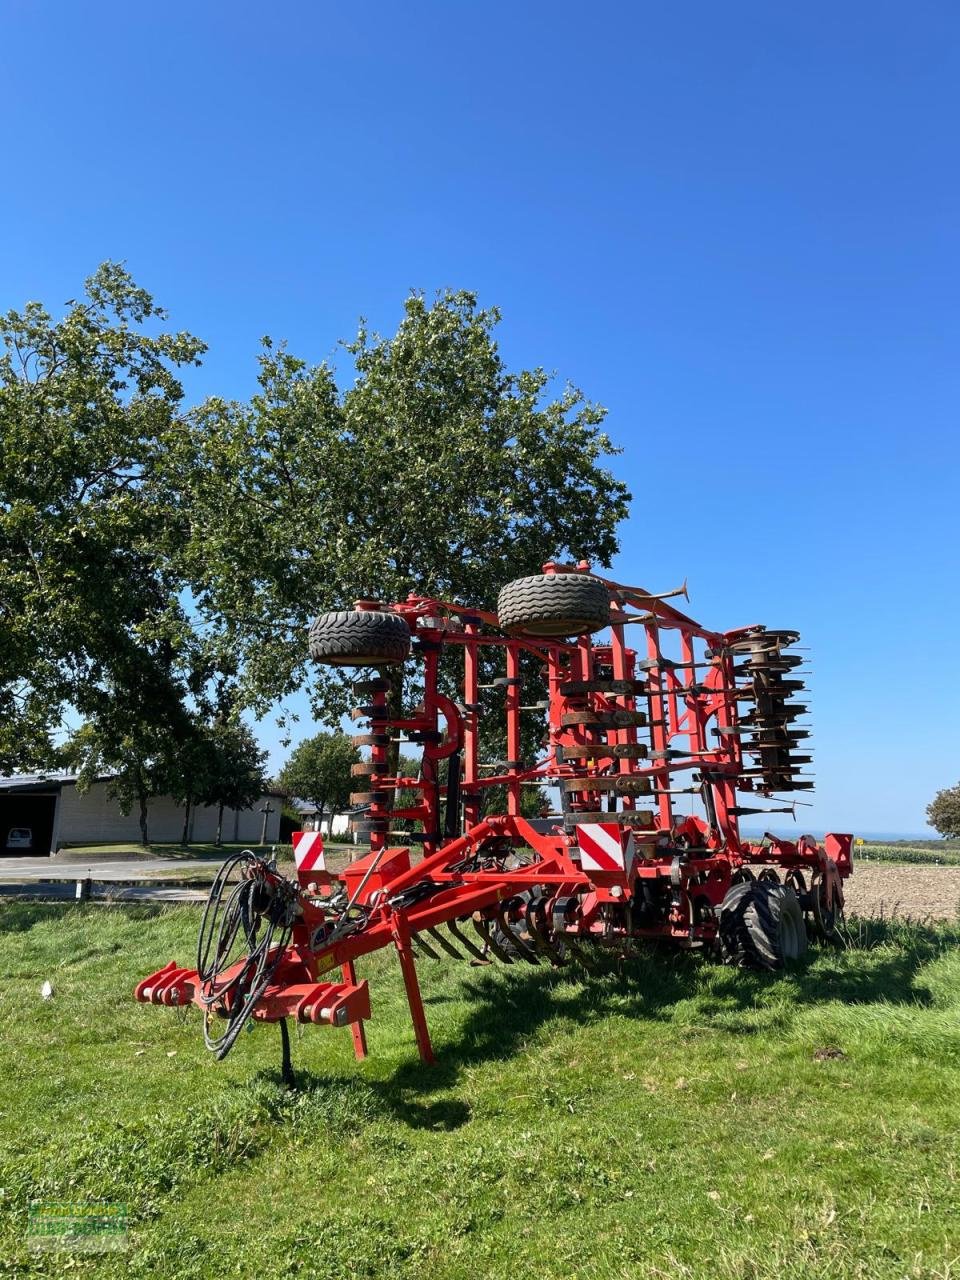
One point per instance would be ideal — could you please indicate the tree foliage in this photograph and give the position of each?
(437, 471)
(159, 566)
(91, 617)
(943, 812)
(318, 771)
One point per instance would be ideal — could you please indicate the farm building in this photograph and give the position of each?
(55, 813)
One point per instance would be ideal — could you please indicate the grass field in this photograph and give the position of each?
(666, 1119)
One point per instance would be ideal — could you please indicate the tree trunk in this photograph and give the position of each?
(321, 809)
(144, 834)
(185, 838)
(219, 840)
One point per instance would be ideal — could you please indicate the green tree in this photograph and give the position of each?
(137, 765)
(438, 470)
(89, 598)
(235, 777)
(318, 771)
(943, 812)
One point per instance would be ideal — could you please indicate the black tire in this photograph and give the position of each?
(762, 926)
(554, 604)
(359, 638)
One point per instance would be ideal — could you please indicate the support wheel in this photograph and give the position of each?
(554, 605)
(359, 638)
(762, 926)
(826, 905)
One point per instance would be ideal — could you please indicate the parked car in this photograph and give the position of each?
(20, 838)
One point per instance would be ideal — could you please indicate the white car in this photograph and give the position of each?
(20, 838)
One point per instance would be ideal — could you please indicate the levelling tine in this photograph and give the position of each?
(521, 947)
(466, 943)
(448, 947)
(482, 928)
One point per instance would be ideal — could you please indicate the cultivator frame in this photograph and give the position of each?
(625, 722)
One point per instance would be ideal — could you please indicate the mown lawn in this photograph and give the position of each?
(669, 1118)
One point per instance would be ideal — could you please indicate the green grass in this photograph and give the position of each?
(669, 1118)
(927, 853)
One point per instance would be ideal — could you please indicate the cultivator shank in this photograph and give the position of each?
(454, 868)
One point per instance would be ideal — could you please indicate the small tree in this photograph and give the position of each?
(318, 771)
(943, 812)
(236, 777)
(137, 765)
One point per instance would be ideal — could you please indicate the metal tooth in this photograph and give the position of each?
(534, 914)
(448, 947)
(489, 941)
(518, 943)
(425, 946)
(465, 942)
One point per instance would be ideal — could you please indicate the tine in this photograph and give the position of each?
(482, 928)
(426, 948)
(536, 920)
(586, 959)
(465, 942)
(448, 947)
(526, 952)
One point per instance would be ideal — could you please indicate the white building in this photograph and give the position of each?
(56, 814)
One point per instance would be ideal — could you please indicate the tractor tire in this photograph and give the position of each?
(554, 605)
(359, 638)
(762, 926)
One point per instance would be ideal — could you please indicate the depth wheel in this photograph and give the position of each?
(554, 605)
(359, 638)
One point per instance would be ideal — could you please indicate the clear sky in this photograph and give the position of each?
(736, 225)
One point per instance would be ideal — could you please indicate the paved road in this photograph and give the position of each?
(60, 892)
(113, 868)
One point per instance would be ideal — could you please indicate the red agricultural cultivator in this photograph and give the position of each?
(638, 704)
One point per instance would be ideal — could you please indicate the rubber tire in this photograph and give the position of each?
(359, 638)
(762, 926)
(554, 605)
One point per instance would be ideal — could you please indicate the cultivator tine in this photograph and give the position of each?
(442, 942)
(421, 944)
(483, 928)
(536, 920)
(526, 952)
(466, 943)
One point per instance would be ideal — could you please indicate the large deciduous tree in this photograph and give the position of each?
(90, 614)
(437, 470)
(943, 812)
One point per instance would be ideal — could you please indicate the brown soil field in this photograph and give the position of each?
(915, 892)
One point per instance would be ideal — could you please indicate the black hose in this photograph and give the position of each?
(250, 907)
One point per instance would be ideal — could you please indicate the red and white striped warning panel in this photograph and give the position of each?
(602, 848)
(308, 851)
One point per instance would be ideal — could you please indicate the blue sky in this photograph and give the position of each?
(735, 225)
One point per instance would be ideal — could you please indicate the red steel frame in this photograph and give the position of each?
(687, 864)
